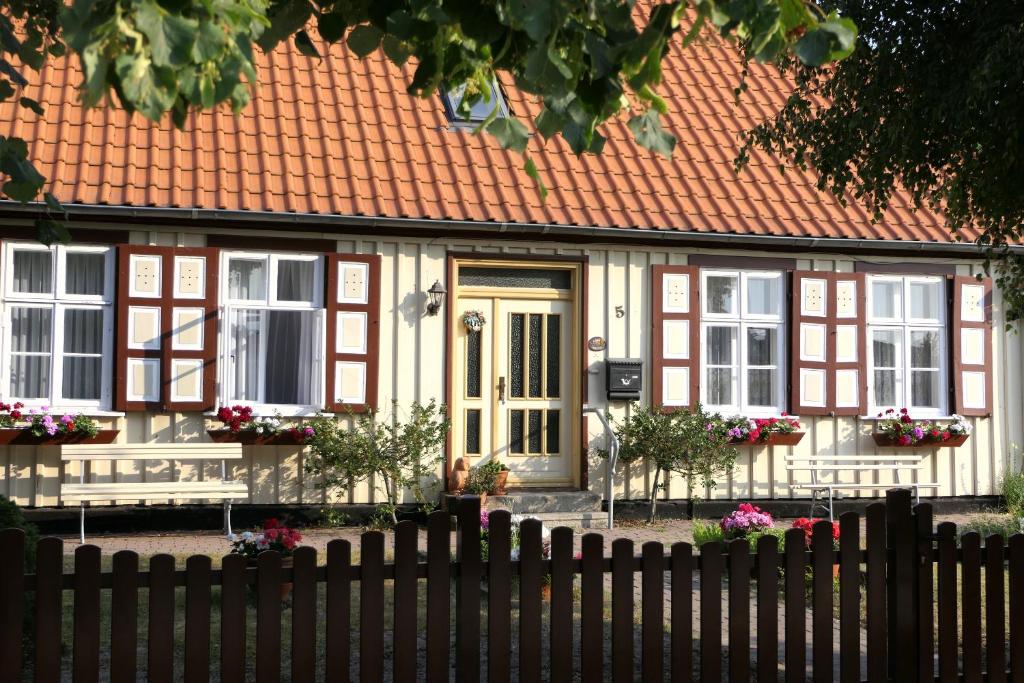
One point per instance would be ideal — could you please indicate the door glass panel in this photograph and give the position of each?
(553, 445)
(515, 431)
(534, 278)
(516, 332)
(553, 355)
(535, 431)
(473, 341)
(536, 367)
(473, 431)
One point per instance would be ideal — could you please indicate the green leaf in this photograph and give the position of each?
(510, 133)
(210, 43)
(332, 26)
(29, 103)
(49, 231)
(813, 48)
(6, 90)
(305, 45)
(533, 16)
(24, 182)
(548, 123)
(395, 50)
(52, 203)
(547, 75)
(171, 36)
(650, 135)
(286, 18)
(531, 170)
(364, 39)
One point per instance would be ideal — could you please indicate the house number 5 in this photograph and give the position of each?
(619, 312)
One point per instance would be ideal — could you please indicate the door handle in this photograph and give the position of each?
(501, 390)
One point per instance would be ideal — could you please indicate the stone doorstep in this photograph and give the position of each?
(556, 502)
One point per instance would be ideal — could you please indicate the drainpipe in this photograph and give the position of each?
(613, 456)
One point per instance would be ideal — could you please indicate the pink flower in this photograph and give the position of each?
(905, 440)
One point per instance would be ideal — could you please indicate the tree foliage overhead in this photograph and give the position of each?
(587, 61)
(932, 100)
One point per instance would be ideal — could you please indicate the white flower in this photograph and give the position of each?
(247, 536)
(514, 554)
(232, 538)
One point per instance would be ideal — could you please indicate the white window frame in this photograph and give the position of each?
(232, 307)
(742, 320)
(904, 325)
(57, 301)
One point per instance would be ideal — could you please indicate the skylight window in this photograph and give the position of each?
(478, 110)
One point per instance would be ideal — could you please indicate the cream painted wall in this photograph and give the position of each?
(411, 368)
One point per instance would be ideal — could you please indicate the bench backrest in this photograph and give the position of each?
(152, 451)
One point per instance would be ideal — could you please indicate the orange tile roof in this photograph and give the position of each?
(341, 137)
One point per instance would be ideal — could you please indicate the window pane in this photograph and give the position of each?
(31, 329)
(247, 279)
(721, 294)
(515, 431)
(720, 386)
(926, 300)
(535, 354)
(479, 110)
(535, 431)
(762, 296)
(924, 388)
(30, 376)
(82, 378)
(554, 355)
(553, 445)
(473, 341)
(885, 344)
(473, 431)
(924, 349)
(83, 274)
(536, 278)
(886, 298)
(295, 280)
(760, 387)
(291, 338)
(721, 345)
(517, 322)
(885, 387)
(83, 331)
(761, 345)
(245, 350)
(33, 271)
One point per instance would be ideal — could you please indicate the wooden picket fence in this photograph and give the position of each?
(913, 598)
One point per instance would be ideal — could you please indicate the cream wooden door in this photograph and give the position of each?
(514, 388)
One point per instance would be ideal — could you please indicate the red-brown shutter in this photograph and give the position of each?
(166, 328)
(828, 366)
(675, 353)
(972, 345)
(353, 331)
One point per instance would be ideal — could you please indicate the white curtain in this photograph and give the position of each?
(31, 343)
(286, 341)
(247, 279)
(245, 349)
(295, 280)
(33, 271)
(83, 336)
(83, 273)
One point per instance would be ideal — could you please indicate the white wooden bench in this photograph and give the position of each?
(223, 489)
(824, 465)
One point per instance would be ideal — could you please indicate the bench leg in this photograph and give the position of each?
(830, 505)
(81, 523)
(227, 517)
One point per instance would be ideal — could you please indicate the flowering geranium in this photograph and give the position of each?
(806, 525)
(273, 536)
(903, 429)
(240, 418)
(744, 520)
(740, 429)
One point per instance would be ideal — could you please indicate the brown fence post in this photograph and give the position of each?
(86, 652)
(304, 618)
(529, 600)
(796, 606)
(739, 610)
(970, 606)
(560, 642)
(12, 602)
(339, 610)
(877, 639)
(1016, 581)
(822, 557)
(711, 564)
(160, 634)
(925, 593)
(849, 598)
(268, 617)
(49, 609)
(592, 608)
(902, 585)
(499, 597)
(233, 591)
(622, 610)
(652, 605)
(768, 608)
(197, 618)
(405, 602)
(467, 595)
(682, 613)
(949, 666)
(371, 607)
(995, 610)
(124, 611)
(438, 595)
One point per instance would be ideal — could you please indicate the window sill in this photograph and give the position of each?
(875, 418)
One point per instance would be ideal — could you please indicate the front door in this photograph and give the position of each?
(513, 382)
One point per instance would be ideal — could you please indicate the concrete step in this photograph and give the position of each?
(533, 502)
(578, 520)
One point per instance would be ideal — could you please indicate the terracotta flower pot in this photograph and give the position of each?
(500, 483)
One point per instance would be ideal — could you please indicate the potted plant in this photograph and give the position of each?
(772, 431)
(900, 430)
(490, 477)
(241, 426)
(38, 426)
(273, 536)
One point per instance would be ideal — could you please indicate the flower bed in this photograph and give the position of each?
(19, 427)
(900, 430)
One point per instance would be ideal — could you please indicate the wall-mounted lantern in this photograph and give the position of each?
(435, 297)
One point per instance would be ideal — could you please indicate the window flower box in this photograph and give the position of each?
(774, 439)
(248, 437)
(19, 436)
(886, 441)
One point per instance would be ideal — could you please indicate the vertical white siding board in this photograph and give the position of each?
(597, 326)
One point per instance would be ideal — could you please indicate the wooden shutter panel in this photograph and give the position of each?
(353, 331)
(829, 360)
(675, 353)
(972, 345)
(166, 328)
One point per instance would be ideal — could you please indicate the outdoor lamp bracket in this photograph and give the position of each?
(435, 297)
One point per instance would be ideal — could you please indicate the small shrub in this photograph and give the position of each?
(780, 534)
(333, 517)
(484, 478)
(1013, 493)
(11, 517)
(990, 525)
(705, 532)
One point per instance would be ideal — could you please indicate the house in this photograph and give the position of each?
(283, 259)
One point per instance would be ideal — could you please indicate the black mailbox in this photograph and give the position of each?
(624, 378)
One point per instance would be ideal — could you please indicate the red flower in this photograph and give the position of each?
(905, 440)
(903, 410)
(890, 411)
(755, 434)
(19, 404)
(16, 414)
(224, 414)
(906, 419)
(935, 432)
(69, 427)
(271, 523)
(785, 414)
(945, 436)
